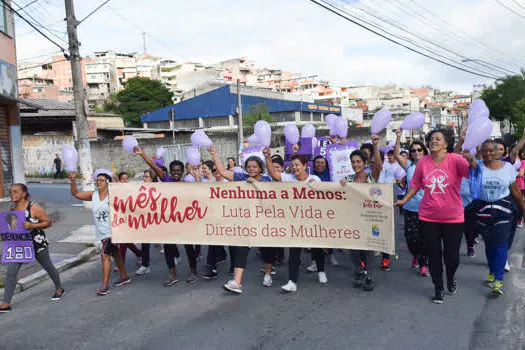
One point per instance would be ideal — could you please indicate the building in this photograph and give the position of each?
(216, 109)
(12, 168)
(37, 87)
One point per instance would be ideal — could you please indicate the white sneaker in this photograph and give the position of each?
(162, 250)
(143, 270)
(177, 260)
(267, 281)
(312, 267)
(333, 260)
(290, 287)
(232, 286)
(321, 276)
(507, 267)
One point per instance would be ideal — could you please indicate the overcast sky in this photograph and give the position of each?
(293, 35)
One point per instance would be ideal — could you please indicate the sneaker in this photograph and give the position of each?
(199, 256)
(171, 281)
(267, 281)
(415, 263)
(162, 250)
(359, 279)
(452, 286)
(233, 287)
(177, 260)
(263, 269)
(192, 277)
(470, 252)
(5, 309)
(143, 270)
(507, 267)
(115, 269)
(57, 296)
(424, 271)
(289, 287)
(122, 282)
(210, 275)
(139, 261)
(103, 290)
(385, 264)
(333, 260)
(312, 267)
(438, 297)
(321, 277)
(476, 240)
(490, 281)
(497, 288)
(369, 284)
(520, 223)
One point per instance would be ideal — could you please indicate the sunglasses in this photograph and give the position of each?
(414, 150)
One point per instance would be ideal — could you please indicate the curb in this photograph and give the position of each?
(53, 182)
(41, 276)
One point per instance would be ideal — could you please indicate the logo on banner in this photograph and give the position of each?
(375, 230)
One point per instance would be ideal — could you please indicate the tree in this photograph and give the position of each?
(519, 115)
(502, 99)
(142, 95)
(109, 107)
(255, 113)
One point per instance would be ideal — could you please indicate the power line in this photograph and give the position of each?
(39, 24)
(43, 55)
(508, 8)
(29, 4)
(354, 21)
(42, 64)
(519, 5)
(33, 26)
(45, 26)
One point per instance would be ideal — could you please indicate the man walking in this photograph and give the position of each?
(57, 164)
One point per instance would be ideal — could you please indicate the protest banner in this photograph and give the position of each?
(324, 215)
(252, 151)
(339, 163)
(17, 241)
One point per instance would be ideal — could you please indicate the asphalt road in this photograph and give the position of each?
(398, 314)
(54, 194)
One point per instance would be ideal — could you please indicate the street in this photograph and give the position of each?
(55, 194)
(398, 314)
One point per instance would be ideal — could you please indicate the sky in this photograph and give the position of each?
(297, 36)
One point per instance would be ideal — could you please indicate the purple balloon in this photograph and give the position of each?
(129, 143)
(158, 162)
(200, 139)
(263, 132)
(413, 121)
(478, 113)
(193, 156)
(291, 132)
(341, 126)
(253, 140)
(160, 153)
(477, 133)
(70, 157)
(330, 119)
(380, 121)
(308, 131)
(476, 104)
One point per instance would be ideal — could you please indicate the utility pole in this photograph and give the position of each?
(239, 115)
(84, 151)
(144, 42)
(172, 118)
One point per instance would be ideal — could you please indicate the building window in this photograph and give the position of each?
(216, 121)
(3, 19)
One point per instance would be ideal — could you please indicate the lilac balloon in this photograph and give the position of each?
(473, 152)
(478, 113)
(330, 119)
(158, 162)
(129, 143)
(193, 156)
(477, 103)
(477, 133)
(253, 140)
(160, 153)
(102, 171)
(263, 132)
(341, 126)
(291, 132)
(70, 156)
(308, 131)
(413, 121)
(333, 129)
(200, 139)
(380, 121)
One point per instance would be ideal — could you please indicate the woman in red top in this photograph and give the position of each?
(441, 208)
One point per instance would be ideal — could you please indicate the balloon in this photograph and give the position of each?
(129, 143)
(341, 126)
(308, 131)
(291, 133)
(473, 152)
(333, 129)
(102, 171)
(193, 156)
(158, 162)
(477, 103)
(70, 156)
(478, 113)
(413, 121)
(253, 140)
(391, 144)
(200, 139)
(160, 153)
(330, 119)
(477, 133)
(263, 132)
(380, 121)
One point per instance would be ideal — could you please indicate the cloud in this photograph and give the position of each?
(299, 36)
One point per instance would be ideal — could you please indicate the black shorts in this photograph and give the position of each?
(108, 248)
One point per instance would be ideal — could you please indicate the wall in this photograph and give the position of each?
(39, 151)
(107, 122)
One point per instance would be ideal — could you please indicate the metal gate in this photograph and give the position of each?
(173, 152)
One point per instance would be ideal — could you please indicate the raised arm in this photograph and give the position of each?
(83, 196)
(227, 174)
(378, 167)
(514, 154)
(401, 160)
(149, 161)
(269, 165)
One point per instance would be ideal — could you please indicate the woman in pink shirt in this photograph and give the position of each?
(520, 180)
(441, 208)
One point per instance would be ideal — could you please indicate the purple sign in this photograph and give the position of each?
(18, 242)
